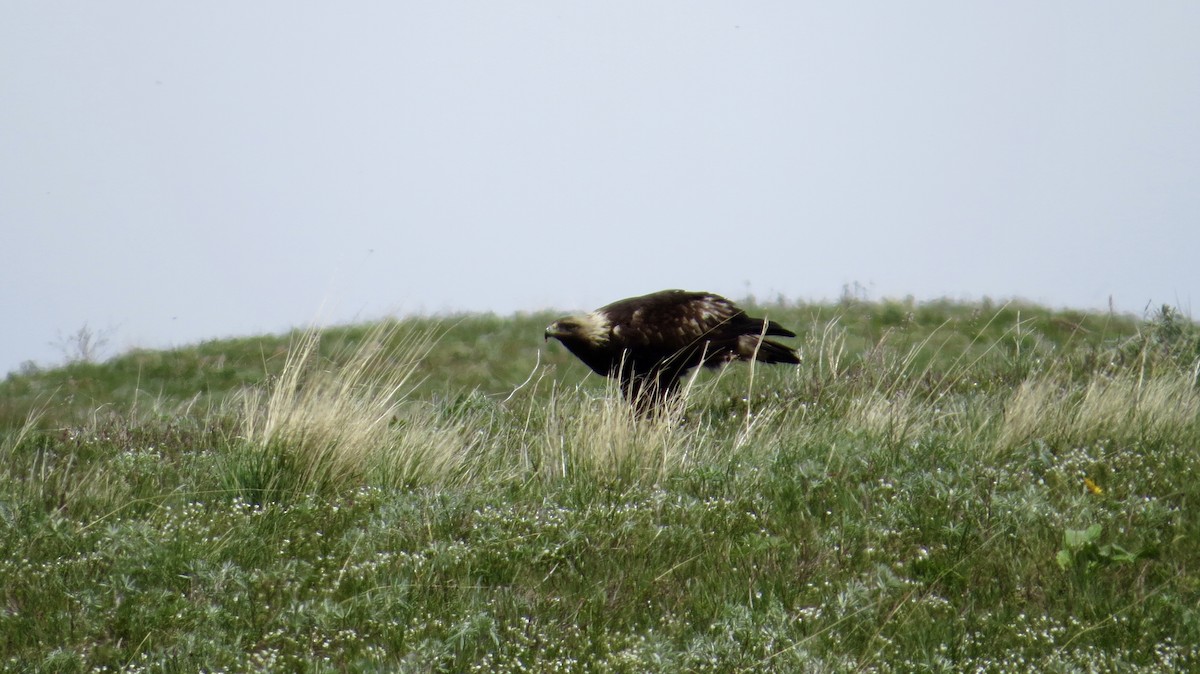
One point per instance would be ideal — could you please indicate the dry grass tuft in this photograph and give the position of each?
(605, 439)
(894, 420)
(1124, 406)
(330, 422)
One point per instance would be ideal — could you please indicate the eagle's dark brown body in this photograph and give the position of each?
(649, 342)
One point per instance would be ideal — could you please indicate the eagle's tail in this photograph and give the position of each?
(763, 326)
(774, 352)
(749, 347)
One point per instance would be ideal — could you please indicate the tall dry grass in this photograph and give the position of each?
(604, 438)
(1123, 407)
(327, 422)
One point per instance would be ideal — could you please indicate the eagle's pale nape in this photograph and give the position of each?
(648, 343)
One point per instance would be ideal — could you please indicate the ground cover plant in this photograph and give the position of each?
(939, 487)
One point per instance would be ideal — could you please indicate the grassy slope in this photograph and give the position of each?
(940, 487)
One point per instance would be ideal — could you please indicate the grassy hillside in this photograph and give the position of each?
(939, 487)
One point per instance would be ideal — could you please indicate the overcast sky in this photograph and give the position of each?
(174, 172)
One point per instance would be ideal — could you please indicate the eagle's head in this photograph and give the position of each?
(590, 329)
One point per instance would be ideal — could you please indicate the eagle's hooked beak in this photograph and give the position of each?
(551, 331)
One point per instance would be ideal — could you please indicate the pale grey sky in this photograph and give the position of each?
(173, 172)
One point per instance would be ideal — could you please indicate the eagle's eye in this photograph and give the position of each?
(559, 329)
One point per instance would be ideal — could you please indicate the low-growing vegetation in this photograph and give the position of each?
(939, 487)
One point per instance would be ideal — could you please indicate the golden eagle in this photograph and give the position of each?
(649, 342)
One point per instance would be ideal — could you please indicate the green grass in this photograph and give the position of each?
(939, 487)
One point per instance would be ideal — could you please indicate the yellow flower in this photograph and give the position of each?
(1092, 486)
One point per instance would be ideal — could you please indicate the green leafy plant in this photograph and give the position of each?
(1082, 550)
